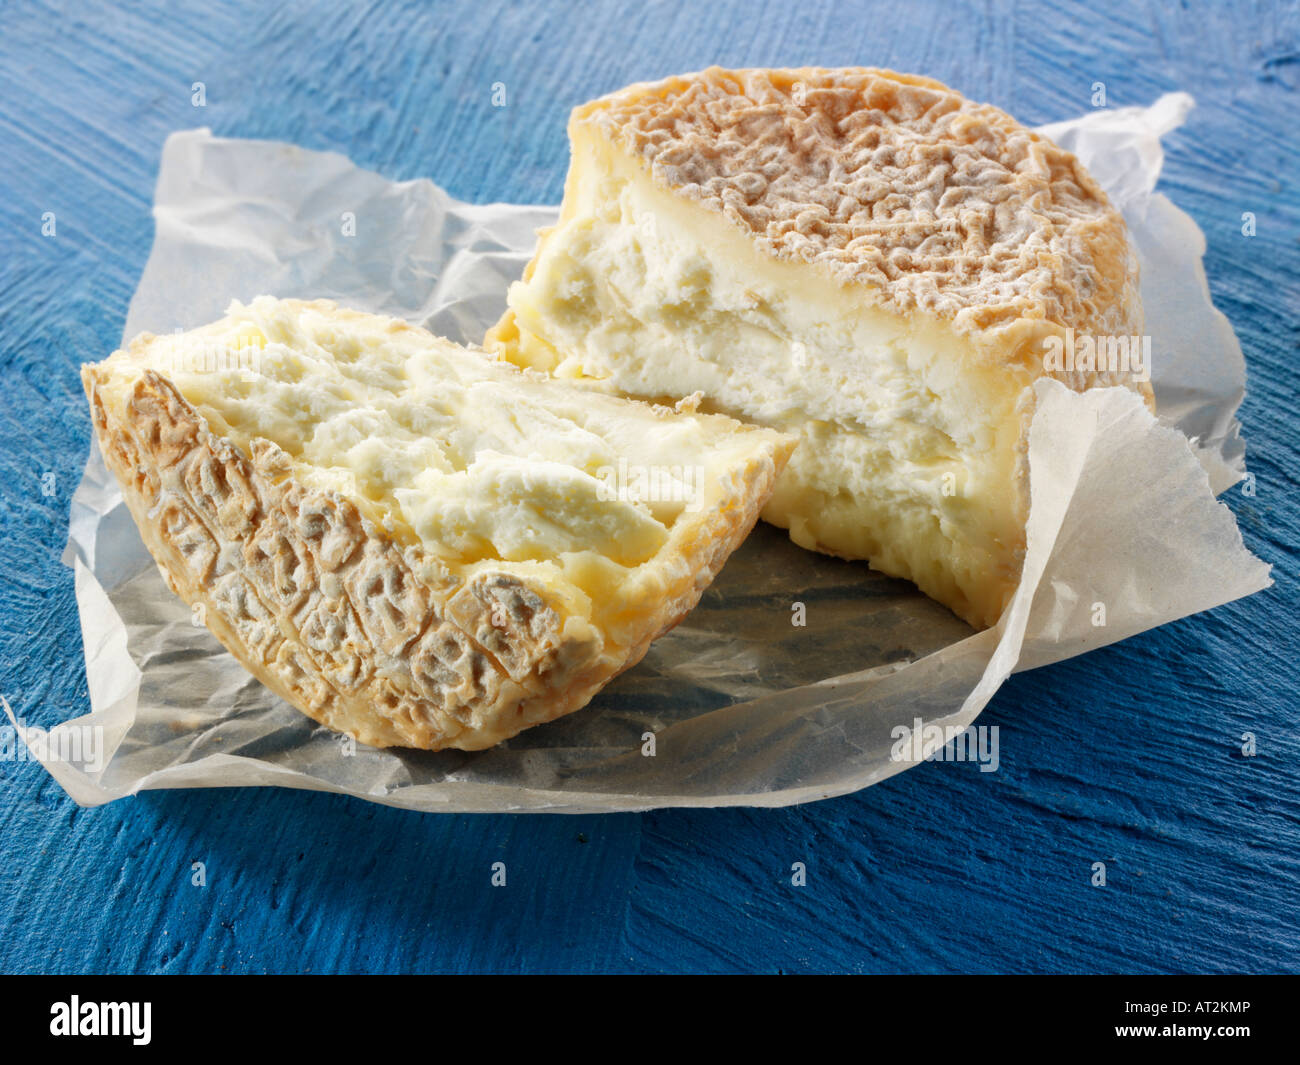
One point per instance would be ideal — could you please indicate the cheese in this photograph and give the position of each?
(859, 257)
(409, 541)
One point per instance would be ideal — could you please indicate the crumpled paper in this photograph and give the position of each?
(745, 707)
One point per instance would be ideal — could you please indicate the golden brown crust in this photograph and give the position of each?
(895, 183)
(361, 633)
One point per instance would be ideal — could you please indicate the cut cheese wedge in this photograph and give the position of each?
(861, 257)
(409, 541)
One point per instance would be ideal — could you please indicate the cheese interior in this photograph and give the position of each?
(481, 464)
(908, 447)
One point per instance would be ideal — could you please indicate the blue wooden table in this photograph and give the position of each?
(1130, 755)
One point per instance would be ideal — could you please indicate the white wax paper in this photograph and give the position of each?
(746, 707)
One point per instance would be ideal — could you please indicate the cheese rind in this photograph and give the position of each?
(409, 541)
(860, 257)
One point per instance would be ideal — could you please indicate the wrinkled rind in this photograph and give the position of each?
(327, 610)
(900, 185)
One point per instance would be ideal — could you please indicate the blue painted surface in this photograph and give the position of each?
(1129, 755)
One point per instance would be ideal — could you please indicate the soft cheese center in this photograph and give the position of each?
(903, 456)
(479, 463)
